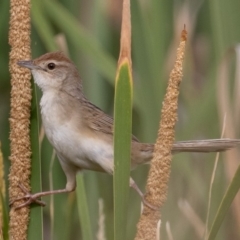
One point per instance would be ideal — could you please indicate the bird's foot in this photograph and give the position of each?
(144, 201)
(30, 198)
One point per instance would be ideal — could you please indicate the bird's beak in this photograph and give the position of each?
(27, 64)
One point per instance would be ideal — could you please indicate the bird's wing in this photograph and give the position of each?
(99, 120)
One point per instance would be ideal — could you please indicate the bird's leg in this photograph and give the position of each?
(27, 195)
(70, 172)
(137, 189)
(34, 198)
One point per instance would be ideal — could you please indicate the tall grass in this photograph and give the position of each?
(93, 43)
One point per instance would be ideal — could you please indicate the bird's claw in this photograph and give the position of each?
(30, 198)
(146, 203)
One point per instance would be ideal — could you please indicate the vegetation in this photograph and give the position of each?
(89, 32)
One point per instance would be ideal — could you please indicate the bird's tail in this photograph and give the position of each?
(211, 145)
(202, 146)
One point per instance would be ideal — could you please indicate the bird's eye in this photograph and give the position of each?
(51, 66)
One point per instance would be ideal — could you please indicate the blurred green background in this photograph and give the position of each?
(89, 32)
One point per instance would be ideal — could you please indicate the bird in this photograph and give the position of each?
(80, 132)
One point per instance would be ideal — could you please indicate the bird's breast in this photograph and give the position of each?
(72, 140)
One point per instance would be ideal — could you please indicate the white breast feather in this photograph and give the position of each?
(81, 150)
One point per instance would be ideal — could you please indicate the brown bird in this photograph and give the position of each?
(80, 132)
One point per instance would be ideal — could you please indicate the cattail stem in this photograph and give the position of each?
(19, 39)
(157, 183)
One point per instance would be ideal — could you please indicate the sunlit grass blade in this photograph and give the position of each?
(123, 127)
(79, 37)
(225, 204)
(83, 211)
(122, 148)
(35, 230)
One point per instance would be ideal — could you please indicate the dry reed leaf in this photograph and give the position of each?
(225, 107)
